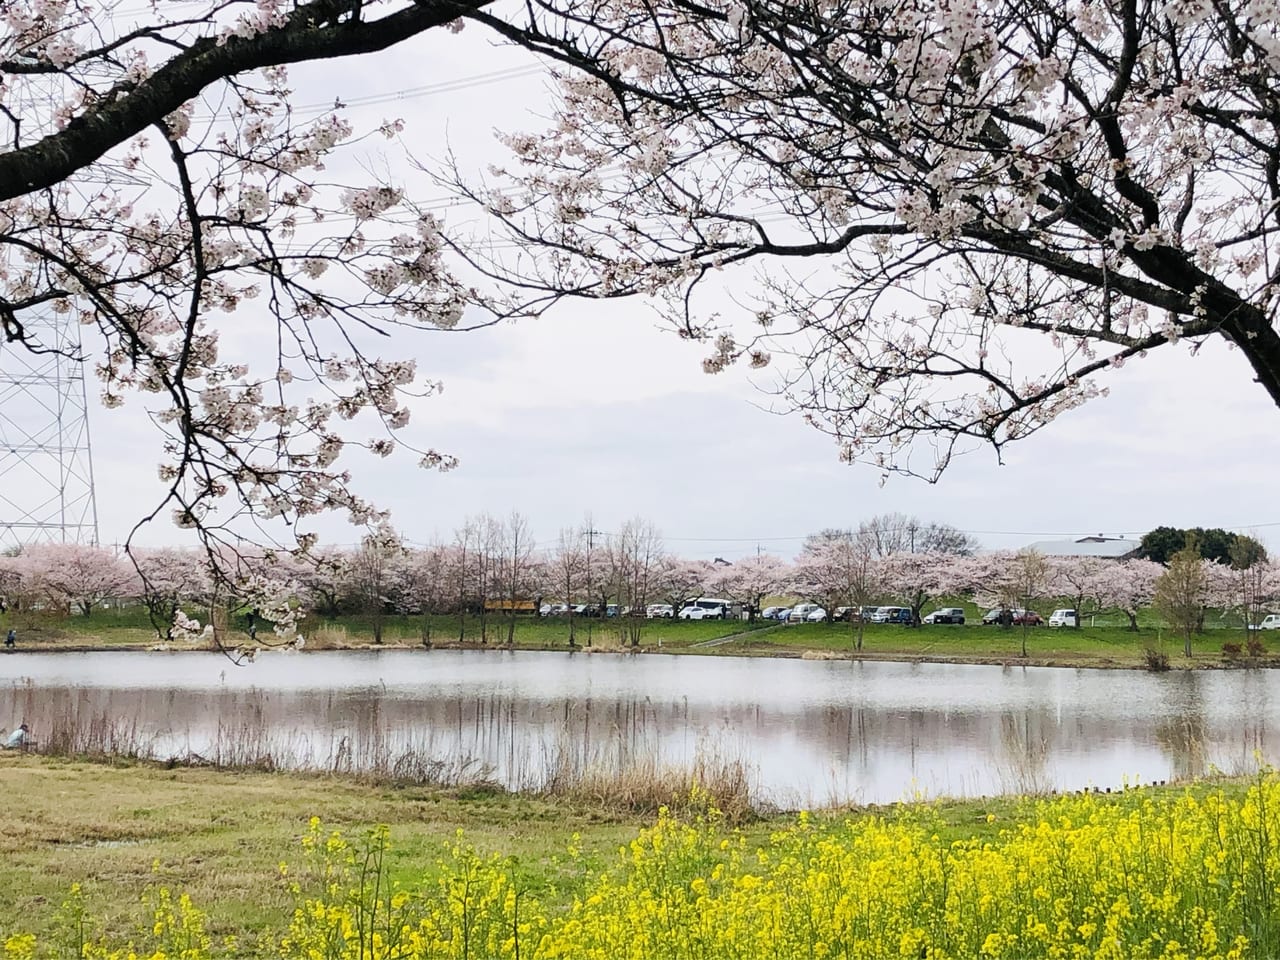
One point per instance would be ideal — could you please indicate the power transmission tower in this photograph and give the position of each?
(46, 464)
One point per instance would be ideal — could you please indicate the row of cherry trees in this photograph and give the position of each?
(492, 569)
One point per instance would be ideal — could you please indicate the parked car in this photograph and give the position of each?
(1067, 618)
(800, 612)
(1015, 617)
(545, 609)
(945, 615)
(655, 611)
(1270, 622)
(783, 614)
(891, 615)
(586, 609)
(816, 616)
(771, 613)
(846, 613)
(705, 608)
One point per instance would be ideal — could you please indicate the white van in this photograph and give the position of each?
(800, 612)
(1062, 618)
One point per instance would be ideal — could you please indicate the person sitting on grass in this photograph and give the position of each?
(20, 739)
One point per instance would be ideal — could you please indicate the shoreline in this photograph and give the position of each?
(1085, 662)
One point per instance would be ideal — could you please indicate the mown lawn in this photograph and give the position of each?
(130, 626)
(1097, 646)
(1100, 642)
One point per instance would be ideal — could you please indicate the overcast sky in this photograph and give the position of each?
(594, 410)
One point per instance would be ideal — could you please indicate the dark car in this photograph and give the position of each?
(1013, 617)
(946, 615)
(892, 615)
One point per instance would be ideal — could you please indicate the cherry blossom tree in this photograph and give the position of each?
(370, 573)
(1254, 584)
(1008, 581)
(322, 580)
(841, 568)
(917, 578)
(171, 578)
(422, 584)
(835, 569)
(750, 580)
(1009, 202)
(1128, 587)
(679, 580)
(156, 185)
(1081, 579)
(78, 575)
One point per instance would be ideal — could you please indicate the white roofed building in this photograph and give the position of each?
(1108, 548)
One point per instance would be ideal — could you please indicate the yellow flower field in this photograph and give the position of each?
(1140, 875)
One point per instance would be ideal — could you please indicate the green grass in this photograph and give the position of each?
(1098, 646)
(1105, 642)
(221, 837)
(130, 626)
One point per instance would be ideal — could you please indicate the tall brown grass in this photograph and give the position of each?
(641, 781)
(610, 768)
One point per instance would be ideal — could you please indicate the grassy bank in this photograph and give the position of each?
(221, 836)
(1099, 643)
(1137, 871)
(130, 627)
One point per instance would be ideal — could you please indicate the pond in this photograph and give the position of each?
(809, 732)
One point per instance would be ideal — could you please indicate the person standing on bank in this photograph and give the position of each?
(11, 640)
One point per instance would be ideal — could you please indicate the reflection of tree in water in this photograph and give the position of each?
(874, 742)
(1024, 760)
(1183, 735)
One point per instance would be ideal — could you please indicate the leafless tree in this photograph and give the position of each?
(517, 566)
(890, 533)
(637, 557)
(567, 570)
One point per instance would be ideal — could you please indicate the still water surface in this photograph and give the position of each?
(810, 732)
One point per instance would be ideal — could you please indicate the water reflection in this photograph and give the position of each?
(811, 732)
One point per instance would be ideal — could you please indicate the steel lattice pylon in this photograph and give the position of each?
(46, 464)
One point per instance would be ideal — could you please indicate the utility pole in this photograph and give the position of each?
(590, 533)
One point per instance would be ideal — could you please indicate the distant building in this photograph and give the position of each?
(1109, 548)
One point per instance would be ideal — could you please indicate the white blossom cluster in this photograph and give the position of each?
(217, 215)
(1003, 216)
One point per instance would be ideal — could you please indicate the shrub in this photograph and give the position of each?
(1232, 649)
(1157, 661)
(1256, 647)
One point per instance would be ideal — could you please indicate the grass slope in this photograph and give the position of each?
(221, 837)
